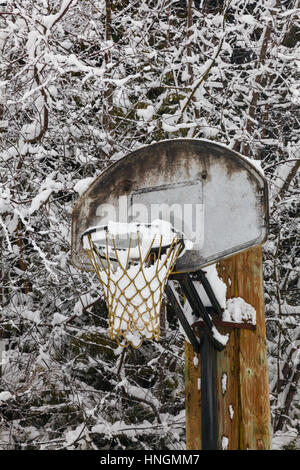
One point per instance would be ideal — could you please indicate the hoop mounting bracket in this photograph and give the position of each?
(209, 318)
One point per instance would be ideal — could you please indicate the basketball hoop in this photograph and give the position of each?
(133, 262)
(196, 187)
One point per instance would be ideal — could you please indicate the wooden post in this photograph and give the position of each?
(242, 371)
(192, 398)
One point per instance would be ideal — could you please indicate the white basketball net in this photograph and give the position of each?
(134, 279)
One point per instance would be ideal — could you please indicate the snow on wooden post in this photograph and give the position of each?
(242, 371)
(244, 360)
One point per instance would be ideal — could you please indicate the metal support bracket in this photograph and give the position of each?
(172, 296)
(199, 310)
(208, 317)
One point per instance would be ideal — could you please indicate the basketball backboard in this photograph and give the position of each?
(217, 197)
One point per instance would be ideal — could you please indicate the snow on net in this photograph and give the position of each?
(133, 262)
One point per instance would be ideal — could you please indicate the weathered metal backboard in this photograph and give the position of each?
(217, 197)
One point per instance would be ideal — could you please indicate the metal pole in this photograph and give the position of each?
(208, 393)
(208, 347)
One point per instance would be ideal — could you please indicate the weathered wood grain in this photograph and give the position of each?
(192, 399)
(242, 372)
(245, 359)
